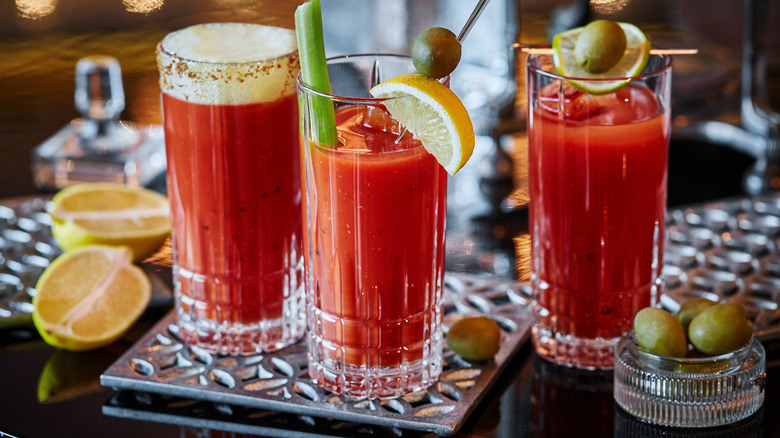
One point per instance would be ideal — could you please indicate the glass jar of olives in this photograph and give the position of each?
(689, 391)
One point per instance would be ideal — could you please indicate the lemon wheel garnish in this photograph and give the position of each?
(631, 64)
(434, 114)
(110, 214)
(89, 297)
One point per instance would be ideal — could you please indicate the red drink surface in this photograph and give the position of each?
(377, 241)
(598, 190)
(234, 186)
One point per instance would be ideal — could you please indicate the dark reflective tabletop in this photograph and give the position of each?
(45, 392)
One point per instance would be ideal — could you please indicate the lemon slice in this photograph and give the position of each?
(434, 114)
(630, 65)
(89, 297)
(110, 214)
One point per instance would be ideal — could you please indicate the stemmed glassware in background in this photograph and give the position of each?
(757, 134)
(761, 93)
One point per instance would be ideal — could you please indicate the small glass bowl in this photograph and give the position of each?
(689, 392)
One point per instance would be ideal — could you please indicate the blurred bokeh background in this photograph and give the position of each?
(42, 40)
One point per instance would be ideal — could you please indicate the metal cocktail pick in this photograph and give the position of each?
(461, 36)
(533, 49)
(472, 19)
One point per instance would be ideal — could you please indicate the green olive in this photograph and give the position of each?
(436, 52)
(600, 46)
(691, 308)
(475, 338)
(721, 329)
(660, 332)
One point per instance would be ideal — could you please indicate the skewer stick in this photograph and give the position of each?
(537, 50)
(461, 36)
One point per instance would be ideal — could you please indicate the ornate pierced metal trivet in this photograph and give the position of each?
(727, 251)
(160, 363)
(26, 249)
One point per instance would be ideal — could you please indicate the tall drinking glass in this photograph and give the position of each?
(597, 177)
(231, 133)
(375, 244)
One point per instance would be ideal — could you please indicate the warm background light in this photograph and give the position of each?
(142, 6)
(35, 9)
(608, 7)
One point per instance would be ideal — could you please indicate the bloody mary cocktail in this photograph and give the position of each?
(374, 251)
(231, 130)
(597, 178)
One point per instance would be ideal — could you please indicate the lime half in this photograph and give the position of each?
(630, 65)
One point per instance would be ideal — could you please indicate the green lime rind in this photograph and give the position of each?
(631, 64)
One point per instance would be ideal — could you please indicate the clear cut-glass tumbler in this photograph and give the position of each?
(231, 132)
(375, 244)
(597, 168)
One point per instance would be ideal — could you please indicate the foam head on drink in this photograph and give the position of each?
(229, 64)
(231, 127)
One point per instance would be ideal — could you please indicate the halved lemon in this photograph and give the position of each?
(110, 214)
(631, 64)
(434, 114)
(88, 297)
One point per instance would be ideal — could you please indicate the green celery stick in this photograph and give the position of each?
(314, 71)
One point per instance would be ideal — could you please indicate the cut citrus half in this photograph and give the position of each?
(88, 297)
(434, 114)
(631, 64)
(110, 214)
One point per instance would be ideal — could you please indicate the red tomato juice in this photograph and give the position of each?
(597, 179)
(234, 186)
(232, 140)
(376, 243)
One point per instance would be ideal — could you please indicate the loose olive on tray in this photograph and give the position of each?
(475, 338)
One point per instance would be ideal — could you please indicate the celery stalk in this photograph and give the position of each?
(314, 71)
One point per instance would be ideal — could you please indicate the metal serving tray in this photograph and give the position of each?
(160, 363)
